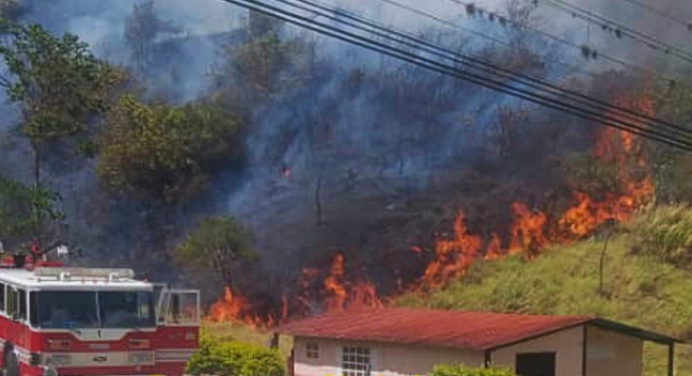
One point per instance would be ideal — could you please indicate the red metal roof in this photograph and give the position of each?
(457, 329)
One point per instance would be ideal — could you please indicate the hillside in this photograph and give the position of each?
(642, 286)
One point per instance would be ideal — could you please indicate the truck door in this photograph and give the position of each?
(178, 308)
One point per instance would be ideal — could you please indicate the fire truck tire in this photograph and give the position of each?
(10, 365)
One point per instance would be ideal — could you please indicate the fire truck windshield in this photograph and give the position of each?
(92, 309)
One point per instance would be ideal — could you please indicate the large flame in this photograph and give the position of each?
(232, 308)
(623, 150)
(452, 257)
(528, 229)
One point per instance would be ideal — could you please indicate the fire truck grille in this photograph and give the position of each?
(109, 359)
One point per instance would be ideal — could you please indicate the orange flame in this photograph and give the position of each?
(232, 308)
(336, 291)
(452, 257)
(527, 229)
(620, 148)
(495, 251)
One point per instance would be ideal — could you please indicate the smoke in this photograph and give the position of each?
(365, 156)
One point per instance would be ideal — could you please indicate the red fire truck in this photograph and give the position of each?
(56, 320)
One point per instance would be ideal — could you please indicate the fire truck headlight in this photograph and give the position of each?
(141, 357)
(49, 370)
(59, 360)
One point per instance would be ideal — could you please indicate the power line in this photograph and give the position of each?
(311, 24)
(473, 62)
(666, 15)
(585, 50)
(618, 29)
(456, 26)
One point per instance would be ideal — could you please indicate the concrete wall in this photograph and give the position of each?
(566, 344)
(386, 359)
(609, 353)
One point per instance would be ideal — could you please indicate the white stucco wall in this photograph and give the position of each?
(567, 345)
(387, 359)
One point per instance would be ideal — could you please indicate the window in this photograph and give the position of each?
(11, 300)
(64, 309)
(2, 297)
(313, 351)
(121, 309)
(536, 364)
(16, 303)
(22, 304)
(355, 361)
(91, 309)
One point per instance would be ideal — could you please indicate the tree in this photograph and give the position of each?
(19, 206)
(459, 370)
(228, 357)
(142, 28)
(162, 152)
(220, 244)
(672, 167)
(10, 9)
(257, 67)
(59, 86)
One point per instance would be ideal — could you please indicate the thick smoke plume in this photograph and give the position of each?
(367, 158)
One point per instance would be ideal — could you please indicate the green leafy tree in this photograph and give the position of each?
(9, 9)
(59, 87)
(672, 167)
(142, 28)
(19, 205)
(216, 357)
(459, 370)
(162, 152)
(220, 244)
(264, 64)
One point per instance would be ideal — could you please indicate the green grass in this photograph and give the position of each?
(247, 334)
(642, 287)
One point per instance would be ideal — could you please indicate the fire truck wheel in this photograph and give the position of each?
(10, 366)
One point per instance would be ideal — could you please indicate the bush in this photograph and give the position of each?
(459, 370)
(667, 234)
(231, 358)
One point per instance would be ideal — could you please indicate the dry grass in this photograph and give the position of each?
(247, 334)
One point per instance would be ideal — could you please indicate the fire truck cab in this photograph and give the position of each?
(81, 321)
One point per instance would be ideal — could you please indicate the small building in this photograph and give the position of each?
(398, 342)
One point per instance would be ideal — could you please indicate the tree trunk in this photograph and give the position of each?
(38, 215)
(601, 265)
(318, 201)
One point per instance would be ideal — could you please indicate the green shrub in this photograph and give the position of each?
(459, 370)
(667, 234)
(231, 358)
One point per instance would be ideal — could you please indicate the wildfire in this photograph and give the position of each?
(452, 257)
(495, 250)
(340, 286)
(232, 308)
(624, 151)
(334, 285)
(527, 229)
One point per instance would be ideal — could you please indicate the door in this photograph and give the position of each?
(178, 308)
(536, 364)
